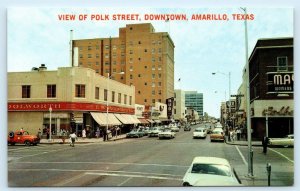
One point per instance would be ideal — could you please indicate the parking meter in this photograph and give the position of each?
(269, 173)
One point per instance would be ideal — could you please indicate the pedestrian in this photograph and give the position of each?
(98, 132)
(47, 133)
(104, 135)
(83, 134)
(238, 134)
(72, 139)
(39, 134)
(265, 141)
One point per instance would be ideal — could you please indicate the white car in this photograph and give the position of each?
(154, 131)
(210, 171)
(286, 141)
(166, 133)
(200, 133)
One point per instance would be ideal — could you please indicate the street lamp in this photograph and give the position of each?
(50, 117)
(107, 84)
(229, 93)
(250, 152)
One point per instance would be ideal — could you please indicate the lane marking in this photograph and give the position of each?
(282, 155)
(133, 176)
(106, 172)
(64, 182)
(125, 181)
(109, 163)
(242, 156)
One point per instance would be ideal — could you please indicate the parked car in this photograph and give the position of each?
(187, 128)
(200, 133)
(154, 131)
(146, 130)
(22, 137)
(285, 141)
(135, 133)
(166, 133)
(210, 171)
(217, 135)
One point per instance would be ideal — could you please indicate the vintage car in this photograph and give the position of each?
(217, 135)
(210, 171)
(286, 141)
(153, 132)
(166, 133)
(187, 127)
(200, 133)
(135, 133)
(22, 137)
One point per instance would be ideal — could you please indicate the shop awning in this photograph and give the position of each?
(150, 120)
(143, 121)
(123, 119)
(135, 119)
(132, 118)
(102, 119)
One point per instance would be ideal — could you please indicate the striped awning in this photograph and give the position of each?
(103, 119)
(143, 121)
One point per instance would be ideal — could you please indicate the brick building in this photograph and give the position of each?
(271, 87)
(146, 57)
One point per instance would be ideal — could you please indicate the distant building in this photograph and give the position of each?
(194, 100)
(272, 87)
(146, 57)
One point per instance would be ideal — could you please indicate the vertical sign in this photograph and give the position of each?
(169, 107)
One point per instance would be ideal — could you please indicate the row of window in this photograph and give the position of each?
(153, 100)
(80, 92)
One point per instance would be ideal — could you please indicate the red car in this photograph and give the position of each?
(22, 137)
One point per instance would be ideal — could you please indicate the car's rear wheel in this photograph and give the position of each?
(27, 143)
(186, 184)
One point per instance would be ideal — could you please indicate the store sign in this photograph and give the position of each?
(282, 82)
(67, 106)
(283, 111)
(169, 107)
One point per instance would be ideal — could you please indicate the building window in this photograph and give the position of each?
(146, 83)
(153, 59)
(159, 67)
(282, 64)
(79, 90)
(125, 99)
(106, 47)
(131, 76)
(106, 63)
(153, 67)
(96, 92)
(153, 100)
(140, 42)
(112, 96)
(89, 47)
(145, 50)
(130, 100)
(26, 91)
(106, 55)
(153, 84)
(114, 70)
(139, 92)
(174, 111)
(159, 84)
(119, 97)
(51, 91)
(89, 55)
(159, 76)
(130, 51)
(139, 75)
(80, 55)
(153, 92)
(159, 92)
(97, 63)
(97, 55)
(97, 71)
(97, 47)
(153, 76)
(145, 100)
(105, 94)
(174, 103)
(146, 67)
(131, 68)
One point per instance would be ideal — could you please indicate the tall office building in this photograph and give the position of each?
(146, 57)
(194, 100)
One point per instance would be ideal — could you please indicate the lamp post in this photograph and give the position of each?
(107, 85)
(249, 135)
(50, 118)
(229, 93)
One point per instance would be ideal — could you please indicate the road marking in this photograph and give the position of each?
(134, 176)
(282, 155)
(64, 182)
(109, 163)
(242, 156)
(111, 173)
(125, 181)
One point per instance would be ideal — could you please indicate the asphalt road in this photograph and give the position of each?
(135, 162)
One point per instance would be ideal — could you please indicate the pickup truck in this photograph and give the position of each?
(22, 137)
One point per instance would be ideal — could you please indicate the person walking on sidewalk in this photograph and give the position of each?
(72, 139)
(238, 133)
(83, 134)
(265, 144)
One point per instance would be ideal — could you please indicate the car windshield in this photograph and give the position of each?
(198, 130)
(166, 130)
(215, 169)
(217, 132)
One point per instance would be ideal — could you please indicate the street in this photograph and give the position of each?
(138, 162)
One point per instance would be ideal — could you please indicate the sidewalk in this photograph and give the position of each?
(80, 140)
(243, 142)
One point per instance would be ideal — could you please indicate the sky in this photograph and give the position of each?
(36, 36)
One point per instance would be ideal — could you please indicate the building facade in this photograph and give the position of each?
(272, 88)
(146, 57)
(77, 97)
(194, 100)
(179, 105)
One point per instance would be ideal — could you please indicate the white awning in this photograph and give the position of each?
(123, 119)
(132, 118)
(102, 119)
